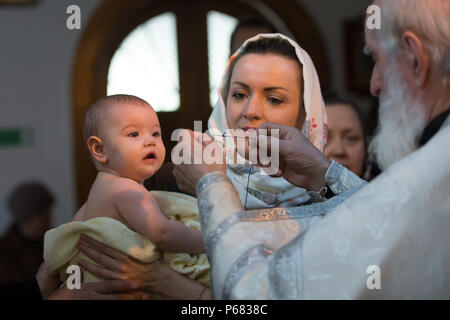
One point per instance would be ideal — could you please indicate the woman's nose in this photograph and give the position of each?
(253, 110)
(335, 149)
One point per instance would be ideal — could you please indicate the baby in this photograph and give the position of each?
(123, 136)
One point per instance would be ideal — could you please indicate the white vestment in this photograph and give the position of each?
(388, 239)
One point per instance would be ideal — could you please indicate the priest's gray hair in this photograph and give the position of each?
(428, 19)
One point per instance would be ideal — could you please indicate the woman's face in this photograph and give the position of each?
(264, 88)
(345, 143)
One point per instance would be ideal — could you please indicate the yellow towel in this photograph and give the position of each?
(60, 244)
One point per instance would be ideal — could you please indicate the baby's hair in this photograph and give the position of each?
(96, 112)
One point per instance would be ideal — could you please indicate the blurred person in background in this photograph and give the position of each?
(21, 247)
(348, 136)
(247, 28)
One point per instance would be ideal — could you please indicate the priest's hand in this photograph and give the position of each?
(188, 173)
(300, 162)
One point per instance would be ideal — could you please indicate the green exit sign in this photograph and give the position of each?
(14, 137)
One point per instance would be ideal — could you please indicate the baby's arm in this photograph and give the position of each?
(79, 215)
(145, 217)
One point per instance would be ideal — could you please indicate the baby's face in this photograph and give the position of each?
(132, 141)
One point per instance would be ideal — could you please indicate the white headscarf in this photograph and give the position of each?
(264, 191)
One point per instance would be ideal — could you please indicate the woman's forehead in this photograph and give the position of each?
(342, 116)
(270, 65)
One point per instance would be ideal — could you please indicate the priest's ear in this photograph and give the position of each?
(95, 146)
(417, 58)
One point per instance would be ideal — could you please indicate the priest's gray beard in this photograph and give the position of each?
(400, 123)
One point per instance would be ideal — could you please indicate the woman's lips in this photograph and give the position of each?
(249, 131)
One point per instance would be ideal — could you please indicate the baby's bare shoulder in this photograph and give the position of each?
(124, 183)
(124, 188)
(112, 186)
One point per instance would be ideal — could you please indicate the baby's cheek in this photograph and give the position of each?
(162, 155)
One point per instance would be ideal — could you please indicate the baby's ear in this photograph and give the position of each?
(95, 146)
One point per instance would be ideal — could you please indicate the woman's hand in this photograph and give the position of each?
(108, 290)
(114, 265)
(47, 283)
(156, 277)
(188, 174)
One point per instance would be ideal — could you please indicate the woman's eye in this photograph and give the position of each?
(274, 100)
(134, 134)
(238, 95)
(352, 139)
